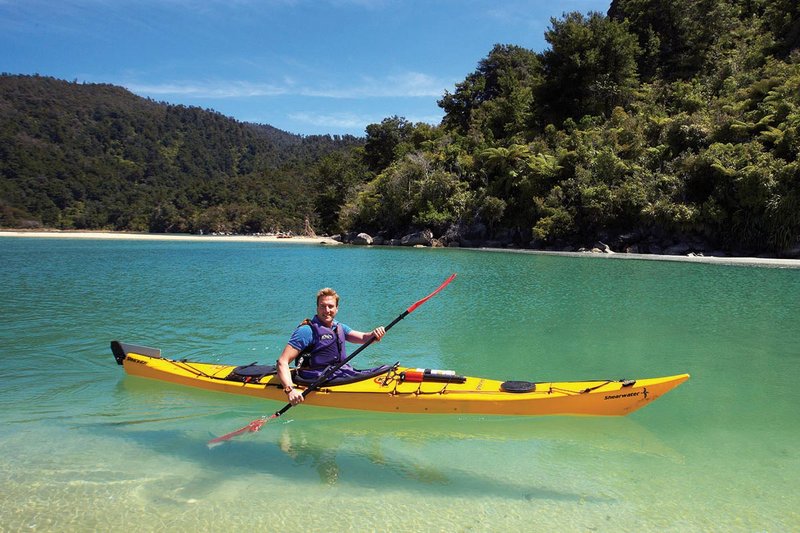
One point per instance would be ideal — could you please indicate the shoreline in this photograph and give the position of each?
(703, 259)
(120, 235)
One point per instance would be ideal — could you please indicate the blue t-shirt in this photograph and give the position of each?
(303, 336)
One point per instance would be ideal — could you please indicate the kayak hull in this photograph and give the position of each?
(389, 393)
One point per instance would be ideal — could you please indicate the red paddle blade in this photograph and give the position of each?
(431, 295)
(252, 427)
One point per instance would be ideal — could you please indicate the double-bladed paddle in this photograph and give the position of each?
(255, 425)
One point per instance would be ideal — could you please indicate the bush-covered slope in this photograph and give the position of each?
(96, 156)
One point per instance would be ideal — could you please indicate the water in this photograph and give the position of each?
(82, 447)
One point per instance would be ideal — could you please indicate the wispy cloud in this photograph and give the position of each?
(406, 85)
(208, 89)
(351, 121)
(347, 121)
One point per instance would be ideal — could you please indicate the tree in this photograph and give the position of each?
(338, 176)
(495, 100)
(383, 140)
(664, 29)
(782, 18)
(590, 67)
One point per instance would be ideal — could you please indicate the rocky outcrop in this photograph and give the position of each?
(602, 248)
(362, 239)
(478, 236)
(420, 238)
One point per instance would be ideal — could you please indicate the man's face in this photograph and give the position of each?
(327, 309)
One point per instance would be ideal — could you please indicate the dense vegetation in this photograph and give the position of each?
(660, 122)
(88, 156)
(664, 121)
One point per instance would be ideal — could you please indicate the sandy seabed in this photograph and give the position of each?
(756, 261)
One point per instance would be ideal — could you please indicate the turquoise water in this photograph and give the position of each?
(82, 447)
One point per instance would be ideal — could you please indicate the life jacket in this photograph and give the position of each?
(327, 349)
(327, 346)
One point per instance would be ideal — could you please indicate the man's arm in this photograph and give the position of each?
(288, 355)
(359, 337)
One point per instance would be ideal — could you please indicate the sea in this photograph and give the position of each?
(83, 447)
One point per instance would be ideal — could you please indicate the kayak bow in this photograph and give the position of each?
(409, 390)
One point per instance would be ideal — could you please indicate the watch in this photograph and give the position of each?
(288, 390)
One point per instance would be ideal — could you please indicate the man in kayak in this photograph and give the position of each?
(321, 342)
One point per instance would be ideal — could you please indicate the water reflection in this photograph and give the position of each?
(510, 457)
(321, 458)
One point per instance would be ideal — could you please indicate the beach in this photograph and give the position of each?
(71, 234)
(163, 236)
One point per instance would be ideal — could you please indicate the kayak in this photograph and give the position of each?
(399, 389)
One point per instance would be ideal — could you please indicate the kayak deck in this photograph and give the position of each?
(389, 392)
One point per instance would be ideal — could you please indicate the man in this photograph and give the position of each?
(321, 341)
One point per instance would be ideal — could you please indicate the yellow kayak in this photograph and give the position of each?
(407, 390)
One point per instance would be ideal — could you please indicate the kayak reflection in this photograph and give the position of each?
(511, 457)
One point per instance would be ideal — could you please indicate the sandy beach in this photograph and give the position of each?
(163, 236)
(755, 261)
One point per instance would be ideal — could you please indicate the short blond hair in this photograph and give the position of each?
(327, 291)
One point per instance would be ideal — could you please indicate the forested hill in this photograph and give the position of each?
(94, 156)
(663, 125)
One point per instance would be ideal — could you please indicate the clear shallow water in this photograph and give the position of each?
(82, 447)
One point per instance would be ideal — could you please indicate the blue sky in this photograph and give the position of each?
(304, 66)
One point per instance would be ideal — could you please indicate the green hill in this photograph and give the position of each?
(92, 156)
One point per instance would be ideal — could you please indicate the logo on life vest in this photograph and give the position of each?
(326, 337)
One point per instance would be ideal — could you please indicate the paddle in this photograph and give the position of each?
(255, 425)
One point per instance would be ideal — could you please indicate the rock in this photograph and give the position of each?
(362, 239)
(476, 232)
(378, 240)
(423, 238)
(633, 249)
(602, 248)
(454, 234)
(348, 237)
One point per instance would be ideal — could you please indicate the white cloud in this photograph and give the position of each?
(336, 120)
(405, 85)
(352, 121)
(215, 89)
